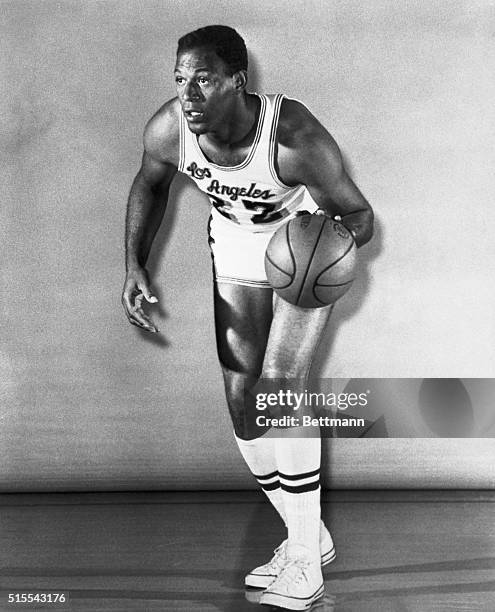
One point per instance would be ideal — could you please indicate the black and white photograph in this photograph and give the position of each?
(248, 305)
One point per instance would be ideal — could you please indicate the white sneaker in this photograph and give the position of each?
(262, 577)
(327, 547)
(299, 584)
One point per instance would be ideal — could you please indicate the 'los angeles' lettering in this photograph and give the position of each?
(199, 173)
(235, 192)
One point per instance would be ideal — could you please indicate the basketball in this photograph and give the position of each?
(310, 261)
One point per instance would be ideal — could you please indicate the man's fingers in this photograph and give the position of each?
(126, 302)
(141, 320)
(135, 313)
(145, 290)
(147, 327)
(152, 299)
(139, 315)
(135, 323)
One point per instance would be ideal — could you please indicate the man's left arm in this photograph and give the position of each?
(316, 162)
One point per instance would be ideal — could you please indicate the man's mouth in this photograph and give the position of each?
(193, 114)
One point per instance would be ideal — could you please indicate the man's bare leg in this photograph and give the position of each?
(257, 341)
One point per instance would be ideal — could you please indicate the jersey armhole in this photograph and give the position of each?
(182, 152)
(273, 139)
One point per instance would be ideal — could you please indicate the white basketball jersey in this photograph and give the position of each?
(249, 194)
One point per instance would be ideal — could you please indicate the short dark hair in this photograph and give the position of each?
(226, 42)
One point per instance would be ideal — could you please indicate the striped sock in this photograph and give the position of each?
(259, 454)
(298, 461)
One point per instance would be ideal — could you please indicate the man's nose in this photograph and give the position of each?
(191, 92)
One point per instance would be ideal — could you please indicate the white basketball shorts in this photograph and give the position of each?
(239, 253)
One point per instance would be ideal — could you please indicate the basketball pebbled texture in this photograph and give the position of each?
(310, 261)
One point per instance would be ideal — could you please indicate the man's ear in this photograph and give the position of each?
(240, 79)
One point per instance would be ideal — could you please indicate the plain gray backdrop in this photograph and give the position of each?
(88, 402)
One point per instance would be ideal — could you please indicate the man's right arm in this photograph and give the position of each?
(145, 209)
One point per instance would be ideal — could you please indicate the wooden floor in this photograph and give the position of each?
(396, 551)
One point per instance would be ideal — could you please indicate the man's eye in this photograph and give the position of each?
(203, 80)
(179, 80)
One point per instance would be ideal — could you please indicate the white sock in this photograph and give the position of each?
(298, 462)
(259, 454)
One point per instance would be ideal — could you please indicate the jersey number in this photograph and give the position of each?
(264, 212)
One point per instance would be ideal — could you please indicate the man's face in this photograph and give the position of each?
(206, 92)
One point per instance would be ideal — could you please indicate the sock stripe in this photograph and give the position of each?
(264, 481)
(301, 482)
(311, 486)
(299, 476)
(266, 476)
(271, 486)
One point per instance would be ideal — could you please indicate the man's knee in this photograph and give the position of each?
(285, 371)
(236, 383)
(241, 402)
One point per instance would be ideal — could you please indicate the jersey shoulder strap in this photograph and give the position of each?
(185, 142)
(264, 157)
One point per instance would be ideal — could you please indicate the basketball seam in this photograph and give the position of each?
(277, 266)
(334, 284)
(335, 262)
(291, 252)
(313, 290)
(291, 277)
(309, 261)
(317, 298)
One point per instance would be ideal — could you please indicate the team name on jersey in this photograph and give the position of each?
(235, 192)
(198, 173)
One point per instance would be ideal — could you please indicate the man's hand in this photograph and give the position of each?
(337, 218)
(137, 287)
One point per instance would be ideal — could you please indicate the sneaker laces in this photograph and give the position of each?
(278, 560)
(293, 572)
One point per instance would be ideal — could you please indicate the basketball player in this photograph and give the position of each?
(261, 159)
